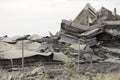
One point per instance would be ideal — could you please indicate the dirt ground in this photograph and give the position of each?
(53, 71)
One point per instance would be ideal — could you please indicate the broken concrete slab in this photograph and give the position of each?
(111, 23)
(28, 45)
(83, 17)
(81, 47)
(75, 25)
(34, 37)
(60, 57)
(37, 71)
(13, 40)
(91, 33)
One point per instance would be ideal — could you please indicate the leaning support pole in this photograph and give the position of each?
(78, 55)
(11, 60)
(22, 58)
(91, 66)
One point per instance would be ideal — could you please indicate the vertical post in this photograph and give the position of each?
(91, 66)
(78, 54)
(11, 60)
(91, 62)
(22, 56)
(115, 12)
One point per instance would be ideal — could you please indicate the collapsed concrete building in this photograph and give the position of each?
(100, 30)
(92, 31)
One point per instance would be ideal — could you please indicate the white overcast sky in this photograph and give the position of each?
(21, 17)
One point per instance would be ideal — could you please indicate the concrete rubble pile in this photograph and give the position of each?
(97, 30)
(91, 32)
(33, 46)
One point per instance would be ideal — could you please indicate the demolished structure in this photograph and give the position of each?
(92, 31)
(100, 30)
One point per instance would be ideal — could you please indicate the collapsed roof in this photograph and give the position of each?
(11, 47)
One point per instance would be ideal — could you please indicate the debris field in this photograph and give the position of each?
(92, 35)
